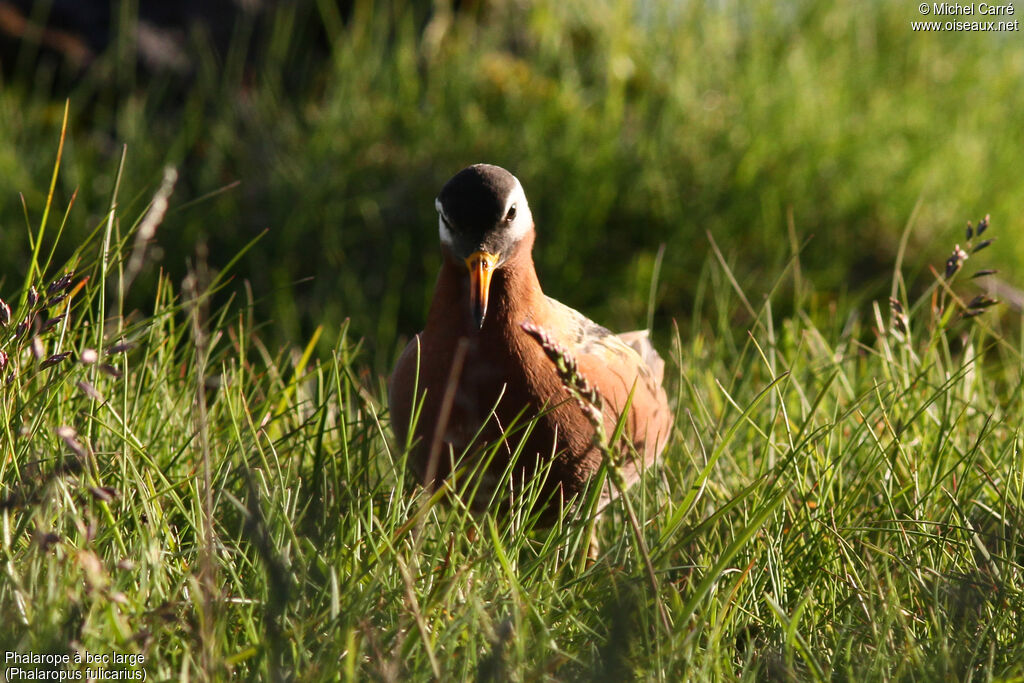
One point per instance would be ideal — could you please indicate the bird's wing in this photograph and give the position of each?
(584, 336)
(640, 341)
(624, 367)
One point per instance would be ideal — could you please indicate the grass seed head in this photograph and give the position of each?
(955, 261)
(70, 437)
(46, 326)
(982, 244)
(981, 301)
(983, 224)
(120, 347)
(89, 390)
(899, 318)
(61, 283)
(110, 370)
(46, 540)
(568, 371)
(55, 359)
(107, 494)
(5, 313)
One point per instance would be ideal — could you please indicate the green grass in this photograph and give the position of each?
(630, 124)
(838, 501)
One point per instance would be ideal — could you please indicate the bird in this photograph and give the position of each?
(474, 374)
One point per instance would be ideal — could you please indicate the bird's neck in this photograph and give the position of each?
(515, 295)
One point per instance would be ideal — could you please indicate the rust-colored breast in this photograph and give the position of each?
(505, 379)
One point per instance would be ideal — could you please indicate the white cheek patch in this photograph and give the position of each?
(445, 233)
(447, 238)
(523, 221)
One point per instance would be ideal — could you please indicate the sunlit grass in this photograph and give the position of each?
(841, 498)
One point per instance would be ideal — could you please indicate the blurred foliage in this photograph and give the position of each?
(630, 125)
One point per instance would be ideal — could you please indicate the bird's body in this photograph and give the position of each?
(499, 377)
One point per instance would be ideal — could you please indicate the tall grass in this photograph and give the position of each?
(841, 499)
(630, 125)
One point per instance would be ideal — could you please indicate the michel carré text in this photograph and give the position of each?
(942, 9)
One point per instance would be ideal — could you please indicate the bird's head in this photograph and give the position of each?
(482, 218)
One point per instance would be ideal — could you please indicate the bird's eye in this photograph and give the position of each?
(511, 215)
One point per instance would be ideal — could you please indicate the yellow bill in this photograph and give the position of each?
(481, 266)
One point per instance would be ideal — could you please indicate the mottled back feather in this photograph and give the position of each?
(590, 338)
